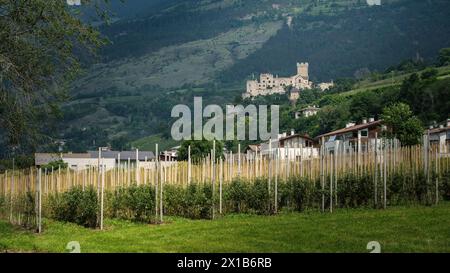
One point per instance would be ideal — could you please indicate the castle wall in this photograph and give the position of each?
(302, 70)
(268, 84)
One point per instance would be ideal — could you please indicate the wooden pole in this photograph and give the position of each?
(220, 185)
(276, 183)
(137, 174)
(145, 171)
(331, 182)
(213, 175)
(189, 165)
(102, 189)
(40, 201)
(239, 160)
(425, 157)
(322, 180)
(161, 212)
(156, 181)
(385, 175)
(98, 171)
(336, 153)
(129, 172)
(437, 176)
(376, 169)
(119, 168)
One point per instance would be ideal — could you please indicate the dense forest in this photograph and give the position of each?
(352, 42)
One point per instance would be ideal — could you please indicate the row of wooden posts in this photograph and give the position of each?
(328, 168)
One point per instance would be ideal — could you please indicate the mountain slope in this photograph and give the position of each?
(173, 51)
(360, 39)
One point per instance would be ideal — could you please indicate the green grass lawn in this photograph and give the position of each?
(403, 229)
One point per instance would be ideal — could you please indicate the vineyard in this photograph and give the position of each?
(378, 177)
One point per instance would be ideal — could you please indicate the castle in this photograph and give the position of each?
(268, 84)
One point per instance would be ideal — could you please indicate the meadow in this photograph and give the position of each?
(398, 229)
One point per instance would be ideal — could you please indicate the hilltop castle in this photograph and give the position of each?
(268, 84)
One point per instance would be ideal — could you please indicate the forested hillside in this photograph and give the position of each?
(168, 53)
(352, 42)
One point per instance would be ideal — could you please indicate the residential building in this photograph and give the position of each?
(325, 85)
(358, 137)
(108, 159)
(307, 112)
(441, 137)
(169, 155)
(293, 146)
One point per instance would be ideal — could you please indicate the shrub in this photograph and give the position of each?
(136, 203)
(354, 191)
(236, 194)
(258, 198)
(299, 193)
(194, 201)
(76, 206)
(445, 186)
(419, 190)
(2, 205)
(27, 205)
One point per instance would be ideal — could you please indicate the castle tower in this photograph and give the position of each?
(302, 70)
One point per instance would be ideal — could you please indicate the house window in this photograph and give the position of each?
(364, 133)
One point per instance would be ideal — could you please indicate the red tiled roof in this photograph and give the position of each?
(438, 130)
(296, 135)
(253, 147)
(352, 128)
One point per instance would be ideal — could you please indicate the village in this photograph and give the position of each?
(356, 137)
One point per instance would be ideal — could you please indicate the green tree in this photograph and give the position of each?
(38, 41)
(403, 124)
(199, 149)
(444, 56)
(120, 143)
(56, 164)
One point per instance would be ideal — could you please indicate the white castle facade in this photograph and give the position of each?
(268, 84)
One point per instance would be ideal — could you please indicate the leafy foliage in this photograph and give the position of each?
(77, 206)
(200, 149)
(444, 56)
(20, 162)
(194, 201)
(55, 165)
(135, 203)
(39, 38)
(405, 127)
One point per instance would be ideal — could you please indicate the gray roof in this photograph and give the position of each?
(124, 155)
(45, 158)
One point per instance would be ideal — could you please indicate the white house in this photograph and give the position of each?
(354, 137)
(108, 159)
(307, 112)
(292, 147)
(441, 136)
